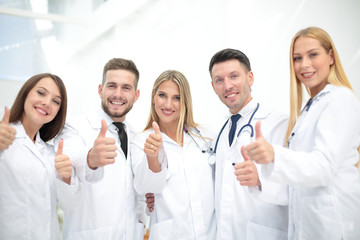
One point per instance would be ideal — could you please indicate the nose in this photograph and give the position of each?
(46, 102)
(118, 91)
(168, 103)
(305, 62)
(227, 83)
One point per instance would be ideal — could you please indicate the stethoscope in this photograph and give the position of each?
(212, 157)
(209, 148)
(303, 113)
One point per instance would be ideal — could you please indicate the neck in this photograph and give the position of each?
(169, 130)
(30, 130)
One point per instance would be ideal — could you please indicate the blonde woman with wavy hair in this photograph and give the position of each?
(170, 159)
(322, 144)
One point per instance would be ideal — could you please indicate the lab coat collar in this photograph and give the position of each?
(99, 114)
(36, 148)
(327, 89)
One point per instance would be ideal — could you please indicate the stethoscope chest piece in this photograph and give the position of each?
(212, 159)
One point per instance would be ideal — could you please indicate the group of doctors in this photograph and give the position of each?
(263, 176)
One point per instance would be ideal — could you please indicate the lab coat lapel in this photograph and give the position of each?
(35, 148)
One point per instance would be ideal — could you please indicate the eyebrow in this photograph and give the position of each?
(48, 92)
(307, 51)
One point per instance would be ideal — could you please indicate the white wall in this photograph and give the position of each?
(183, 35)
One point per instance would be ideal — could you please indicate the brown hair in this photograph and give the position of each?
(121, 64)
(50, 129)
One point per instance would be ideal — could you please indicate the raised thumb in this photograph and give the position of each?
(60, 147)
(244, 153)
(103, 128)
(156, 127)
(6, 116)
(258, 133)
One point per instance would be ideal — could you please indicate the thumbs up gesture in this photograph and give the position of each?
(7, 133)
(246, 172)
(63, 164)
(152, 146)
(260, 151)
(104, 150)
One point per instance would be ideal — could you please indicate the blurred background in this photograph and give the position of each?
(75, 38)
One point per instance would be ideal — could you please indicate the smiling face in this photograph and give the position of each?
(231, 82)
(42, 104)
(312, 63)
(167, 104)
(118, 93)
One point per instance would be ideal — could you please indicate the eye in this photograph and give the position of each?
(56, 101)
(296, 59)
(127, 88)
(234, 76)
(162, 95)
(41, 93)
(313, 55)
(218, 80)
(111, 86)
(177, 98)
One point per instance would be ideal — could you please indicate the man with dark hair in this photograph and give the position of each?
(97, 144)
(247, 206)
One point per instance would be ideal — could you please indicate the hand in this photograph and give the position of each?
(150, 201)
(63, 164)
(260, 151)
(153, 142)
(152, 147)
(246, 172)
(104, 150)
(7, 133)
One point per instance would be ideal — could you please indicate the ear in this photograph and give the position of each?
(250, 76)
(331, 53)
(137, 94)
(100, 90)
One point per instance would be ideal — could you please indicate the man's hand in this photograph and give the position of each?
(104, 150)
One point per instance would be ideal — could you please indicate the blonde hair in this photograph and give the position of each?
(336, 75)
(186, 109)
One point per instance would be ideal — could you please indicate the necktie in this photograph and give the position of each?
(122, 136)
(234, 119)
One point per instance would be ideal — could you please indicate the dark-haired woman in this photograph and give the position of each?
(30, 171)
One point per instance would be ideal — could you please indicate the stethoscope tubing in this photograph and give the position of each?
(246, 125)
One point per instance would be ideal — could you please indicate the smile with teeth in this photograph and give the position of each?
(41, 111)
(231, 95)
(308, 74)
(167, 111)
(117, 103)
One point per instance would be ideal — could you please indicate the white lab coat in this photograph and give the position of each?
(320, 167)
(183, 190)
(28, 189)
(107, 208)
(245, 212)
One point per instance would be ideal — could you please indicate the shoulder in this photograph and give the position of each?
(267, 113)
(339, 97)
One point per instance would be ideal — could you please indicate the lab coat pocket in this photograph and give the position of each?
(100, 233)
(256, 231)
(319, 218)
(162, 230)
